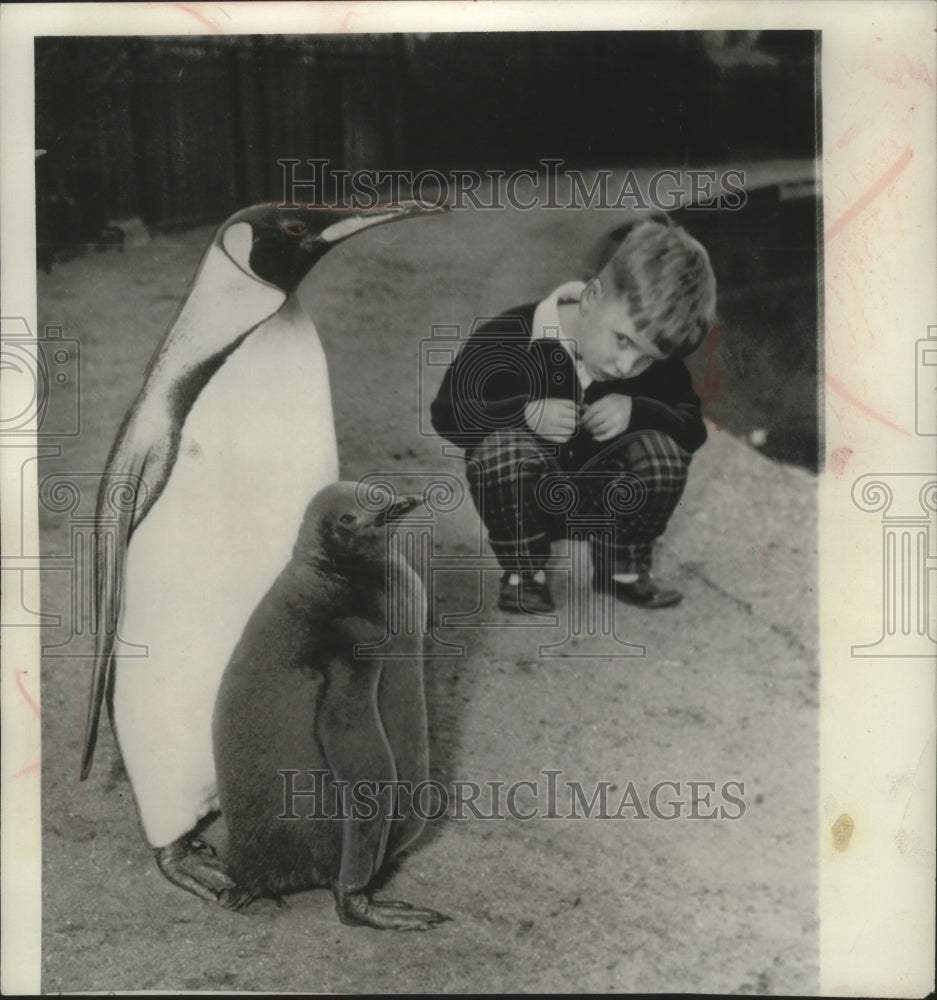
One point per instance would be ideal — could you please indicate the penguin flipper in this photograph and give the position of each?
(123, 492)
(358, 753)
(100, 679)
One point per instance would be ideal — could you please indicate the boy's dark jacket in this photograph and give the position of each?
(500, 369)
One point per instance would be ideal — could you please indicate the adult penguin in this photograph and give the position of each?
(304, 699)
(230, 435)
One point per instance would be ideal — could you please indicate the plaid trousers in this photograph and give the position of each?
(527, 494)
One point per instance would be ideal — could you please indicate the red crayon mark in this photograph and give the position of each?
(866, 199)
(897, 71)
(767, 556)
(919, 72)
(23, 771)
(852, 132)
(20, 674)
(838, 460)
(714, 382)
(198, 16)
(867, 410)
(322, 206)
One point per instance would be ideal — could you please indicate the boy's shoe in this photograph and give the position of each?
(645, 592)
(527, 596)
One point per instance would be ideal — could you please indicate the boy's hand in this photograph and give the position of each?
(607, 417)
(552, 419)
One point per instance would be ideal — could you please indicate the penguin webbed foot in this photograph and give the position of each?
(192, 864)
(240, 896)
(357, 908)
(236, 898)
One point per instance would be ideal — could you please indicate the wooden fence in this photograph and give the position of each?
(178, 130)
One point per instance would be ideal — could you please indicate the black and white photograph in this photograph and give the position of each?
(472, 530)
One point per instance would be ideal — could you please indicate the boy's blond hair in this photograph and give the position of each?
(666, 278)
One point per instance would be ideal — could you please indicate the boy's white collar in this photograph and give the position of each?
(547, 325)
(547, 314)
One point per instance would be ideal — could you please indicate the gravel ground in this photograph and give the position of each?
(726, 691)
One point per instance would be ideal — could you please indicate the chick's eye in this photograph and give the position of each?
(347, 519)
(295, 228)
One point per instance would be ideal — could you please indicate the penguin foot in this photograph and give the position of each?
(237, 897)
(193, 865)
(358, 909)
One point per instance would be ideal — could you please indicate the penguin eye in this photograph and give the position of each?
(347, 519)
(296, 228)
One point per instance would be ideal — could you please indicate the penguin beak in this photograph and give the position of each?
(399, 508)
(344, 228)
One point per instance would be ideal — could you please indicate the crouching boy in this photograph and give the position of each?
(588, 385)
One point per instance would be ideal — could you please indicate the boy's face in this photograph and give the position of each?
(609, 344)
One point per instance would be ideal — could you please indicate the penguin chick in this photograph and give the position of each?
(304, 704)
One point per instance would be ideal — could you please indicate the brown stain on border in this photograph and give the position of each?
(842, 831)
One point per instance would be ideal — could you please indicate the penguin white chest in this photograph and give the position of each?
(258, 442)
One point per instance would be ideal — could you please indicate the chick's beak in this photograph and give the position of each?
(399, 508)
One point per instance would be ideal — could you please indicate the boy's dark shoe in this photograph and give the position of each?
(527, 596)
(645, 592)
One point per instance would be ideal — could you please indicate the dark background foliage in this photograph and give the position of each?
(183, 130)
